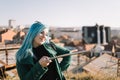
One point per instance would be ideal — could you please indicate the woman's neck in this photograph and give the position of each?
(36, 45)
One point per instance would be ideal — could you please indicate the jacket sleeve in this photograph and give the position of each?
(29, 71)
(64, 64)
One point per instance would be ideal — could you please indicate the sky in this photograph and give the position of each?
(63, 13)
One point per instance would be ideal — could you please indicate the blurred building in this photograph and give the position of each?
(72, 32)
(12, 23)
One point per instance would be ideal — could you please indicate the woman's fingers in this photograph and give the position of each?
(45, 61)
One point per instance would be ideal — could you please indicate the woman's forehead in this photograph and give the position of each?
(46, 30)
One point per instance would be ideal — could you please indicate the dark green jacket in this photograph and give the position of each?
(28, 70)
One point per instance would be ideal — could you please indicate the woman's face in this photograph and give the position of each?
(40, 38)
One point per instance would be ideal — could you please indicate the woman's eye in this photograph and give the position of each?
(41, 32)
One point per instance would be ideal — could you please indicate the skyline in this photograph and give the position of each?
(63, 13)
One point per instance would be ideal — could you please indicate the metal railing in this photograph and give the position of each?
(6, 48)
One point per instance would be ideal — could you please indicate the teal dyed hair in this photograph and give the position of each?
(35, 28)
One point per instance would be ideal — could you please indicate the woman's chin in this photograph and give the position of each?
(42, 42)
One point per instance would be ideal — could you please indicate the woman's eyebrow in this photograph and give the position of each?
(42, 32)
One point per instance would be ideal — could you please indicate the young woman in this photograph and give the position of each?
(33, 58)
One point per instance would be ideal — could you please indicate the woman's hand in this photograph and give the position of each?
(45, 61)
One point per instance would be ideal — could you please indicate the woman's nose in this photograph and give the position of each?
(43, 35)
